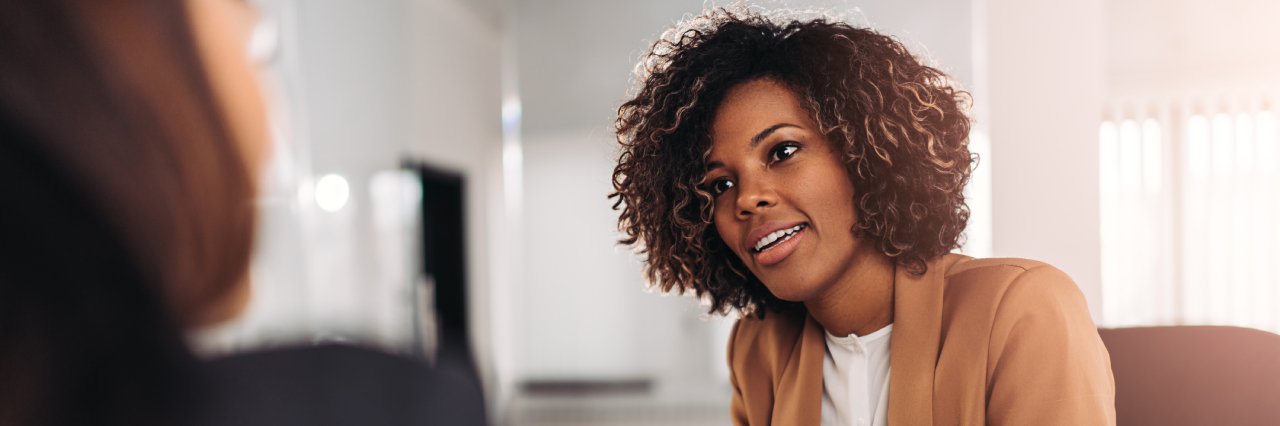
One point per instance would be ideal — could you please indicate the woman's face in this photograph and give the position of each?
(222, 29)
(783, 198)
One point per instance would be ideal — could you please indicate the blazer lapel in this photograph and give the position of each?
(917, 334)
(799, 391)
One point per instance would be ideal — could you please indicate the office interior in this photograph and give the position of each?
(441, 172)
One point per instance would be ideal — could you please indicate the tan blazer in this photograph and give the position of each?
(990, 341)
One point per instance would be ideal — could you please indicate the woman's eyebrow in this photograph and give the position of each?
(755, 141)
(764, 134)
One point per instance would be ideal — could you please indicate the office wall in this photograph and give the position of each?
(1159, 47)
(1044, 84)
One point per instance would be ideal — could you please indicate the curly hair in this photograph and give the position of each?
(902, 127)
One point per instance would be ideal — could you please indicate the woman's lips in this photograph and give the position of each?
(780, 250)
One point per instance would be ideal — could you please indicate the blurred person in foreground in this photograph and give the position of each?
(132, 137)
(809, 175)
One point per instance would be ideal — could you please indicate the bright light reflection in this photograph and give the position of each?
(1266, 139)
(332, 192)
(1130, 157)
(1151, 155)
(1198, 146)
(1244, 143)
(1223, 145)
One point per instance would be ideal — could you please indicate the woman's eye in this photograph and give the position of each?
(720, 186)
(783, 152)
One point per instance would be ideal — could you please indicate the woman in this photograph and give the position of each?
(132, 133)
(128, 184)
(809, 174)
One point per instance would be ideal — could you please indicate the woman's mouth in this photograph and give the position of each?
(776, 246)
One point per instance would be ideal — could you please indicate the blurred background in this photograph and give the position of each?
(441, 171)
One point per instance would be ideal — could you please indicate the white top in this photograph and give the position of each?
(855, 380)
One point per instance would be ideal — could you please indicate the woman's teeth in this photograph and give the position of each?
(766, 243)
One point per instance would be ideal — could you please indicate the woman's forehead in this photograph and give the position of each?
(753, 110)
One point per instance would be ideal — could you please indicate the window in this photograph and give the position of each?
(1190, 218)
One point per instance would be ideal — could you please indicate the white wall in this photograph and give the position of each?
(1155, 47)
(1043, 92)
(573, 266)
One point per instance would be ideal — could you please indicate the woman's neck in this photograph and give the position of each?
(862, 301)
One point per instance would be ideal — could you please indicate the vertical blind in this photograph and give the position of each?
(1191, 211)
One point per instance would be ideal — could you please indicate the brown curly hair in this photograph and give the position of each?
(902, 125)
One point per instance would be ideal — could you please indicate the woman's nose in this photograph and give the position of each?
(755, 195)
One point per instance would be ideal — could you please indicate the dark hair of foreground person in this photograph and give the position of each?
(128, 220)
(127, 205)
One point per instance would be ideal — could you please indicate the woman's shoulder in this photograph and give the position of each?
(1008, 273)
(1012, 286)
(1039, 356)
(995, 267)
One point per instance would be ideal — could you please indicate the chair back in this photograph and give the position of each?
(1195, 375)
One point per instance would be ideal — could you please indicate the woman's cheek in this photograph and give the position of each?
(726, 230)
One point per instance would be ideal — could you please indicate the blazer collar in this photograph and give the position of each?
(799, 391)
(917, 335)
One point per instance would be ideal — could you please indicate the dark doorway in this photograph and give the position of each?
(444, 259)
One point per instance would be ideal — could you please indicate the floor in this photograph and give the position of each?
(625, 410)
